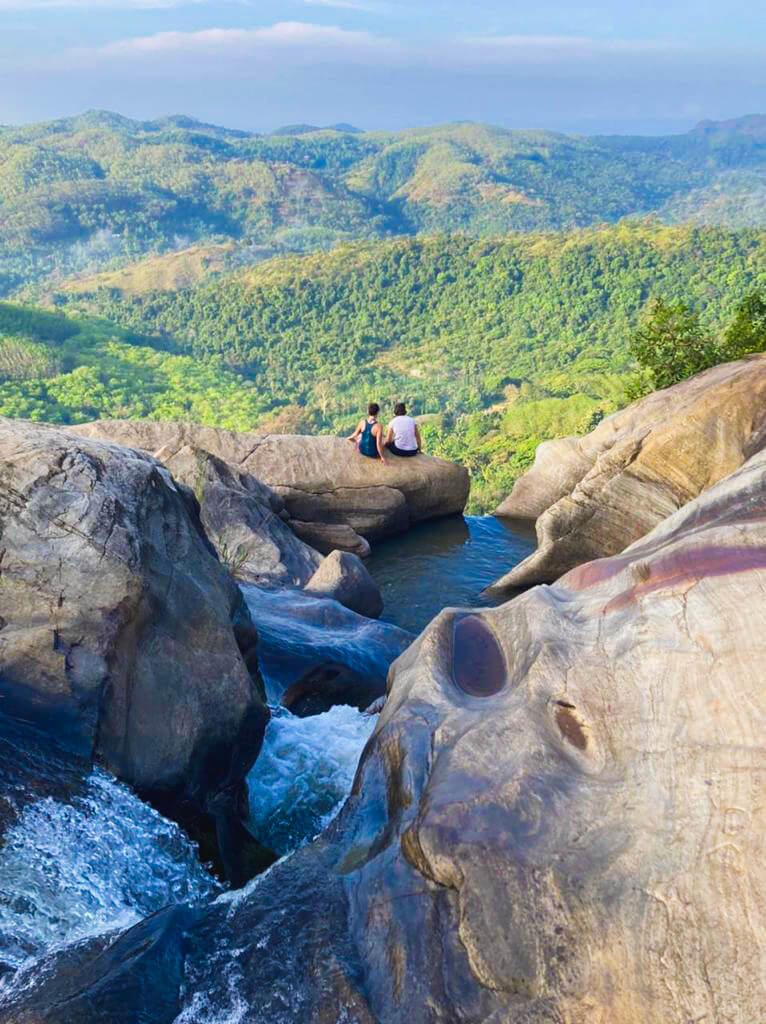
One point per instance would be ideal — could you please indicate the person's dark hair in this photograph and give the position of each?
(400, 409)
(373, 409)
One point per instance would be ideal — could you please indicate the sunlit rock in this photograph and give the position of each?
(321, 480)
(594, 495)
(343, 577)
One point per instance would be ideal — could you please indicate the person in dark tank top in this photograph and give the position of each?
(368, 436)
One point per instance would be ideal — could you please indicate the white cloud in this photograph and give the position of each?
(350, 5)
(295, 36)
(306, 41)
(502, 48)
(144, 5)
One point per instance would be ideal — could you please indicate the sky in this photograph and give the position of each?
(628, 67)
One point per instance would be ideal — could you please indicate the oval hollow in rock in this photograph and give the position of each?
(478, 664)
(570, 726)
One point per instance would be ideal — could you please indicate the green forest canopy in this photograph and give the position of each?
(500, 342)
(99, 191)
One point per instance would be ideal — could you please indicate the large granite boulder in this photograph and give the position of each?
(243, 518)
(119, 629)
(343, 577)
(559, 817)
(320, 479)
(594, 495)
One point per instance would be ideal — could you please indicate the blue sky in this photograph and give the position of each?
(636, 67)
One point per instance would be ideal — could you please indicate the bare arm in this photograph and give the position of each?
(418, 438)
(390, 435)
(358, 431)
(379, 439)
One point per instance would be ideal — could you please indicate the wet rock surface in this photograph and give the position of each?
(559, 817)
(594, 495)
(122, 633)
(325, 686)
(300, 633)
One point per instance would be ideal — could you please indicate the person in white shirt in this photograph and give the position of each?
(403, 437)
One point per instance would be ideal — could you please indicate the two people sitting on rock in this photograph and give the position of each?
(402, 437)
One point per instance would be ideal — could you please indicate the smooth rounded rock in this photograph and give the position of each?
(594, 495)
(343, 577)
(320, 479)
(122, 633)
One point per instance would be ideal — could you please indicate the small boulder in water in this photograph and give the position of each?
(343, 577)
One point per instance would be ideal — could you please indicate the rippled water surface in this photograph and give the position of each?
(444, 564)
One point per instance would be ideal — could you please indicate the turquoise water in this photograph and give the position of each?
(444, 564)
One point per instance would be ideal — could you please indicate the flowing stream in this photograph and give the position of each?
(81, 855)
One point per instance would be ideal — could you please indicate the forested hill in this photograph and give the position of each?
(505, 341)
(98, 191)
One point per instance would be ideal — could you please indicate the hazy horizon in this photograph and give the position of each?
(344, 123)
(385, 65)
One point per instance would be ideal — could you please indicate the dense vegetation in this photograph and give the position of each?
(500, 343)
(65, 370)
(98, 191)
(672, 344)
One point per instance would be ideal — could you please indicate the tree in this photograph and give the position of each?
(324, 393)
(672, 344)
(747, 331)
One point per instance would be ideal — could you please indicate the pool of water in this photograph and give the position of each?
(444, 564)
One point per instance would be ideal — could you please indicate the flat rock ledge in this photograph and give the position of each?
(322, 481)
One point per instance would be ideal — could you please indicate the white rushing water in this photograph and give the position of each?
(304, 772)
(105, 860)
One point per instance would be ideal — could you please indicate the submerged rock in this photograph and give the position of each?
(121, 632)
(321, 480)
(300, 633)
(594, 495)
(559, 817)
(343, 577)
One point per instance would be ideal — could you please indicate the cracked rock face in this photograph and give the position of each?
(594, 495)
(559, 817)
(321, 480)
(121, 632)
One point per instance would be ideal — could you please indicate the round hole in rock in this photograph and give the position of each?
(478, 664)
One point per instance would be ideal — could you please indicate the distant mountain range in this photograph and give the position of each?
(99, 191)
